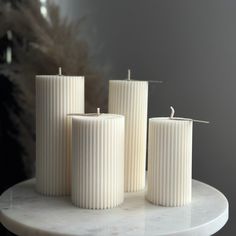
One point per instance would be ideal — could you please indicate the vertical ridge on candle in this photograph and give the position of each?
(97, 162)
(56, 96)
(129, 98)
(169, 162)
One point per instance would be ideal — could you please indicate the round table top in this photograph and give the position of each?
(25, 212)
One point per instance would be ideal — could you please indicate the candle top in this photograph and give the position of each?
(95, 116)
(172, 118)
(58, 75)
(128, 81)
(132, 80)
(168, 119)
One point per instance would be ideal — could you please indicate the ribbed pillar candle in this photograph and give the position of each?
(55, 97)
(97, 161)
(130, 98)
(170, 161)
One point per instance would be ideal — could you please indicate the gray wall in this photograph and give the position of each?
(191, 46)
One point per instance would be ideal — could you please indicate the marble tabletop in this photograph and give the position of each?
(25, 212)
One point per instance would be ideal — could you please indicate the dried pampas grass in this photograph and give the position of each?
(40, 46)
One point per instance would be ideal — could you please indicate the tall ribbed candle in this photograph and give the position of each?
(130, 98)
(170, 161)
(56, 95)
(97, 161)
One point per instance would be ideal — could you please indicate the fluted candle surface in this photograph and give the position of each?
(97, 161)
(130, 98)
(170, 162)
(56, 96)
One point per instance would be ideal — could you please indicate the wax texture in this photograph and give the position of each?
(98, 161)
(130, 98)
(169, 162)
(56, 96)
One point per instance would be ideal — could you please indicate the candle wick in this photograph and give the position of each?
(59, 71)
(98, 111)
(172, 112)
(129, 74)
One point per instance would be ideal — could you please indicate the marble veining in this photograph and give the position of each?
(25, 212)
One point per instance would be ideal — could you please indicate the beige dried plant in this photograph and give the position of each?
(40, 46)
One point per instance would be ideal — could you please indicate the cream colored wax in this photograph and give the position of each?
(170, 161)
(130, 98)
(56, 95)
(97, 160)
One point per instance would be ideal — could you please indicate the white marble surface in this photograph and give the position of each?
(25, 212)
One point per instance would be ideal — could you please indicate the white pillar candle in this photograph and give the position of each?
(56, 95)
(97, 160)
(130, 98)
(169, 162)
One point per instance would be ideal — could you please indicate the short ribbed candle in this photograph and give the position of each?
(55, 97)
(97, 161)
(170, 162)
(130, 98)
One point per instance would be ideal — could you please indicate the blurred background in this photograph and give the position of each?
(188, 44)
